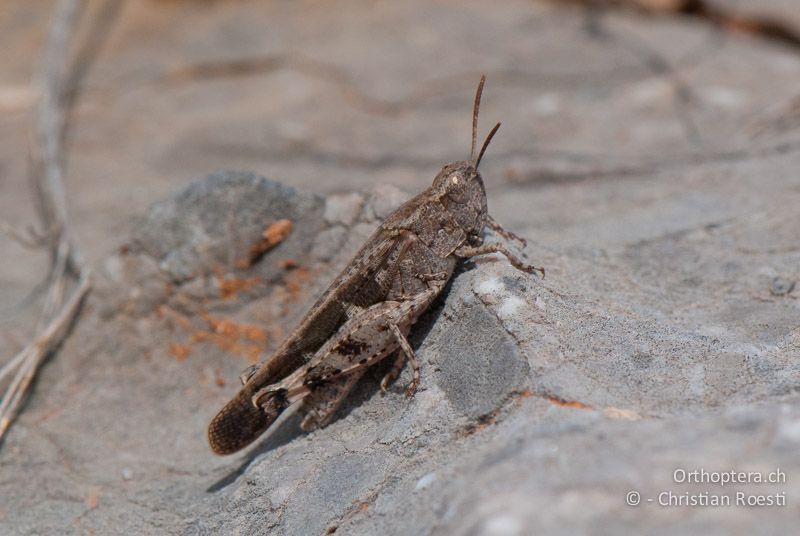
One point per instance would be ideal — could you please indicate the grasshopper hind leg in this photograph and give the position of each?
(320, 406)
(405, 353)
(397, 367)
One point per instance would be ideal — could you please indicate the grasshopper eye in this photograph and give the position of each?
(454, 179)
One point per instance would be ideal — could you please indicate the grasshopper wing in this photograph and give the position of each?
(364, 282)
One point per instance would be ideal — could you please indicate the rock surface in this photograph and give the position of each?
(543, 402)
(650, 161)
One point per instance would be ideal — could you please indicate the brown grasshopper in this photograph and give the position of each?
(367, 312)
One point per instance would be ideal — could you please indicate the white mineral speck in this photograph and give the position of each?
(790, 430)
(697, 380)
(510, 306)
(548, 104)
(489, 286)
(425, 481)
(502, 525)
(724, 97)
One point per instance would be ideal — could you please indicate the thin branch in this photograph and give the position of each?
(35, 353)
(28, 239)
(50, 120)
(61, 306)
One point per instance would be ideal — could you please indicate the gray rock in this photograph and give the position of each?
(650, 163)
(541, 406)
(215, 222)
(478, 363)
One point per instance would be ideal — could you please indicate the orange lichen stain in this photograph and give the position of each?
(243, 339)
(296, 281)
(482, 422)
(164, 311)
(180, 351)
(252, 352)
(222, 326)
(288, 264)
(218, 379)
(254, 333)
(277, 232)
(230, 287)
(364, 506)
(271, 237)
(92, 500)
(247, 340)
(567, 403)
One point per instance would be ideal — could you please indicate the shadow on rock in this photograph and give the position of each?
(286, 432)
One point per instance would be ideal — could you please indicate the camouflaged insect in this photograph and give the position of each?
(367, 312)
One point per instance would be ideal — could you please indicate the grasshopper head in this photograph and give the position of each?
(460, 185)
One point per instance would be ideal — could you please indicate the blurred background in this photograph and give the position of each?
(338, 98)
(649, 152)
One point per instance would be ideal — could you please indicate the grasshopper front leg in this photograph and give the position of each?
(495, 226)
(465, 252)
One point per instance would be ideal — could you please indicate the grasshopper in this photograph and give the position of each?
(366, 314)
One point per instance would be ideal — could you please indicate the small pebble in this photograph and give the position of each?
(781, 287)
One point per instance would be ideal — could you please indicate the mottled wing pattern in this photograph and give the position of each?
(364, 282)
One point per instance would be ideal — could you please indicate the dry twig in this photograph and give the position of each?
(69, 279)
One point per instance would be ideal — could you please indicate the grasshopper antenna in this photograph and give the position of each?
(486, 144)
(475, 110)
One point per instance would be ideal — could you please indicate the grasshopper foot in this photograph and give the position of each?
(408, 353)
(394, 372)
